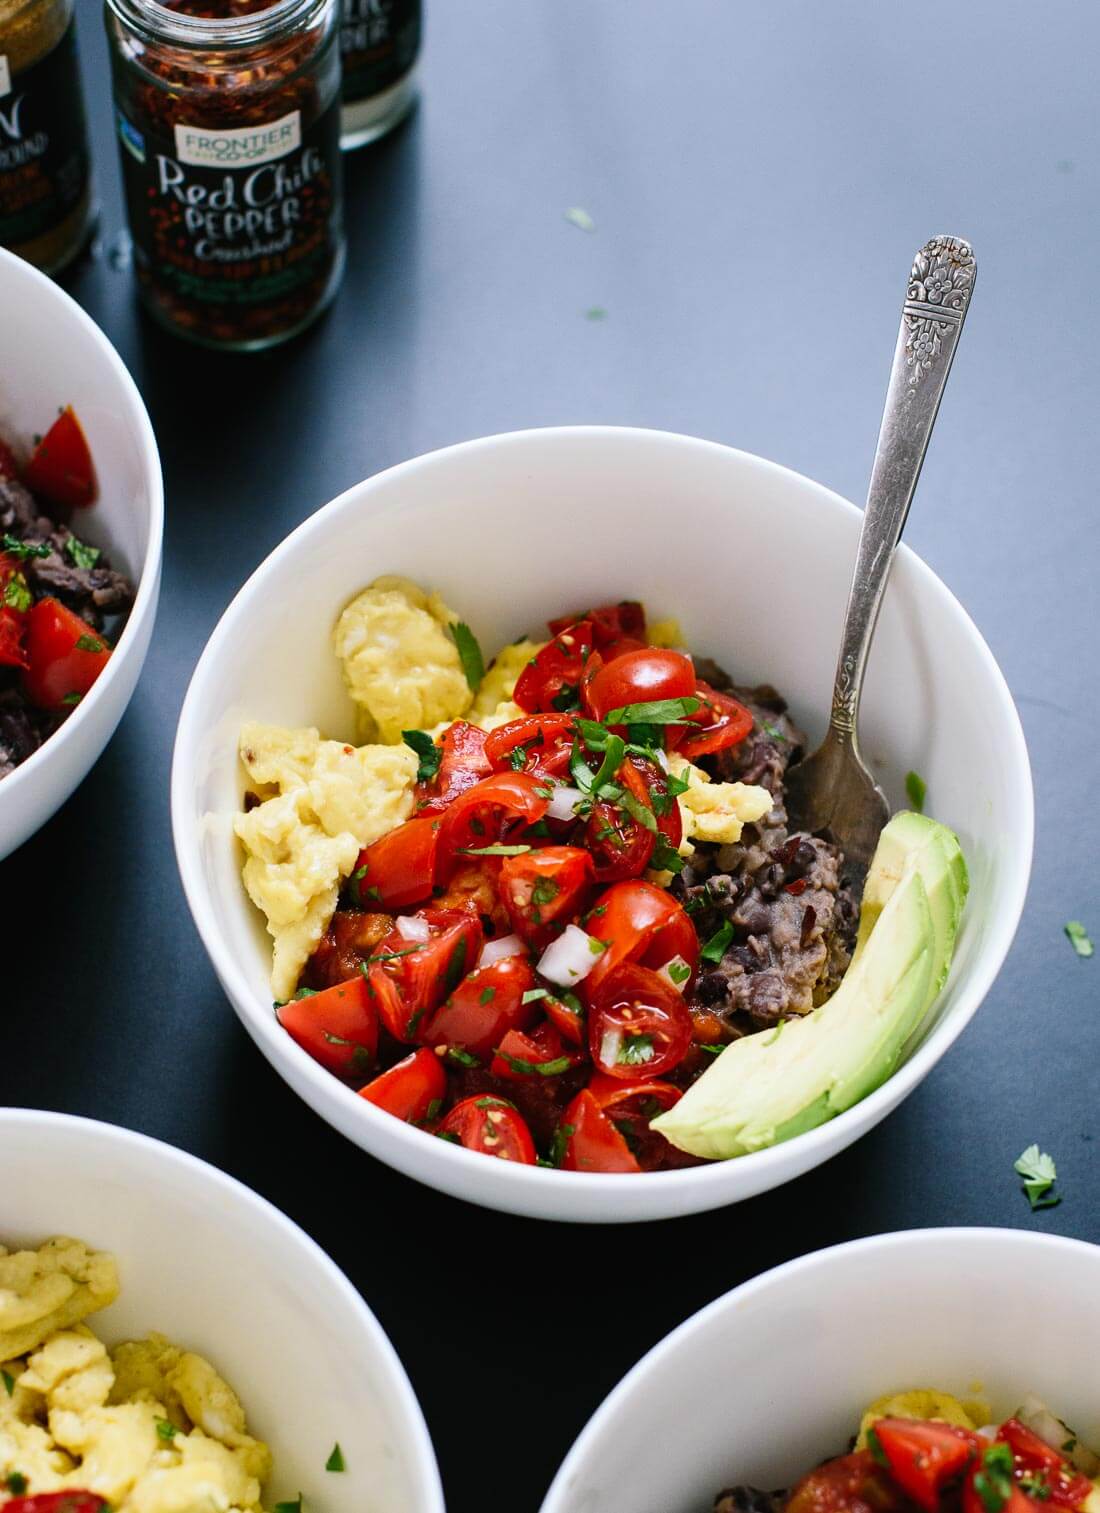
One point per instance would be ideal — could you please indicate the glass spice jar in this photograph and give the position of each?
(379, 43)
(228, 115)
(45, 172)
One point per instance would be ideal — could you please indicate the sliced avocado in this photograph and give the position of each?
(914, 841)
(774, 1085)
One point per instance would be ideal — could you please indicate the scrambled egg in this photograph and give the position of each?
(401, 664)
(322, 802)
(149, 1427)
(716, 812)
(665, 633)
(925, 1403)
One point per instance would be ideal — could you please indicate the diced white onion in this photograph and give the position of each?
(413, 929)
(497, 950)
(569, 958)
(561, 805)
(684, 973)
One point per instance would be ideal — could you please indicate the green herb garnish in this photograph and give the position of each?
(534, 994)
(392, 955)
(82, 554)
(469, 654)
(16, 594)
(23, 549)
(89, 643)
(487, 995)
(665, 857)
(678, 971)
(874, 1444)
(711, 1050)
(72, 698)
(993, 1483)
(335, 1461)
(17, 1483)
(552, 1068)
(562, 1136)
(456, 967)
(545, 891)
(492, 850)
(429, 755)
(916, 790)
(656, 712)
(595, 312)
(166, 1430)
(636, 1050)
(289, 1507)
(773, 730)
(1039, 1174)
(715, 947)
(1079, 937)
(9, 1382)
(461, 1056)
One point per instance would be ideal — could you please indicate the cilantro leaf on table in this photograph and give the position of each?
(1040, 1174)
(1079, 937)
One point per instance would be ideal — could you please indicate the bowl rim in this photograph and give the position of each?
(175, 1160)
(507, 1178)
(979, 1236)
(148, 582)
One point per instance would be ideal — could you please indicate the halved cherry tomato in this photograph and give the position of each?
(9, 465)
(551, 681)
(592, 1143)
(638, 677)
(60, 468)
(537, 1054)
(481, 816)
(1066, 1487)
(567, 1016)
(847, 1484)
(12, 652)
(721, 722)
(485, 1006)
(670, 822)
(543, 890)
(610, 623)
(411, 979)
(621, 846)
(923, 1456)
(638, 1025)
(631, 1106)
(398, 869)
(491, 1126)
(640, 923)
(58, 1502)
(339, 1027)
(462, 764)
(1009, 1497)
(64, 656)
(410, 1089)
(538, 744)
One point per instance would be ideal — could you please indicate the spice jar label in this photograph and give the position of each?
(230, 148)
(379, 40)
(43, 150)
(235, 219)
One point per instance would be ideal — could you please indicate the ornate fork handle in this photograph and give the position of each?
(935, 307)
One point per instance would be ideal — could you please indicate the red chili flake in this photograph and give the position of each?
(797, 887)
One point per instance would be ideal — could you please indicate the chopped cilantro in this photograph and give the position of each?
(456, 967)
(580, 218)
(679, 971)
(773, 730)
(390, 955)
(562, 1136)
(648, 736)
(552, 1068)
(636, 1050)
(289, 1507)
(1079, 937)
(16, 594)
(874, 1444)
(916, 790)
(1040, 1174)
(595, 312)
(1036, 1485)
(335, 1461)
(461, 1056)
(443, 1134)
(545, 891)
(641, 813)
(166, 1430)
(993, 1482)
(665, 857)
(573, 1003)
(715, 947)
(89, 643)
(656, 712)
(21, 550)
(359, 874)
(469, 654)
(9, 1382)
(487, 995)
(490, 1102)
(428, 753)
(492, 850)
(72, 698)
(597, 946)
(82, 554)
(613, 754)
(676, 786)
(711, 1050)
(534, 994)
(17, 1483)
(433, 1111)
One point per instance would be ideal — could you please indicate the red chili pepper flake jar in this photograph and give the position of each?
(228, 115)
(379, 43)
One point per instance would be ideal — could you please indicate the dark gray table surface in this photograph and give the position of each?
(759, 176)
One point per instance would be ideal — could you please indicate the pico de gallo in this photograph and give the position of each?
(527, 966)
(905, 1465)
(59, 598)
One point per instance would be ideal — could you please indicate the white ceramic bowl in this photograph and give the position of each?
(56, 355)
(755, 562)
(218, 1270)
(773, 1378)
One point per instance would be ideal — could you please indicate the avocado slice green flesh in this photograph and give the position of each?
(774, 1085)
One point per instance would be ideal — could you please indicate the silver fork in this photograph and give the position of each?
(832, 790)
